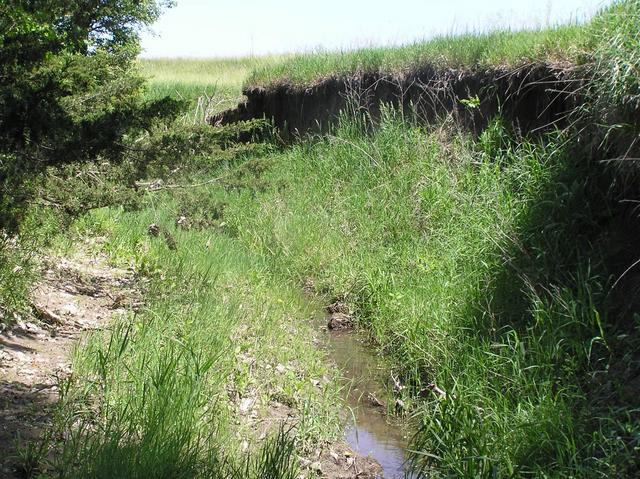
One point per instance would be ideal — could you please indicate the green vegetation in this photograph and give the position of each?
(506, 49)
(562, 45)
(479, 268)
(496, 272)
(169, 384)
(68, 92)
(208, 85)
(15, 278)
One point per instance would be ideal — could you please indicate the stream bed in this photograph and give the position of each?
(370, 431)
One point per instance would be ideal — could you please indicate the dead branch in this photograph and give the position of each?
(153, 186)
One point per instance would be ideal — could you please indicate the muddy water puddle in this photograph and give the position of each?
(370, 431)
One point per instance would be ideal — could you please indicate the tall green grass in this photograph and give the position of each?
(618, 36)
(15, 277)
(612, 30)
(613, 92)
(482, 267)
(479, 268)
(160, 393)
(495, 49)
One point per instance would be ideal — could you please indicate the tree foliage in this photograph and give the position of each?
(69, 89)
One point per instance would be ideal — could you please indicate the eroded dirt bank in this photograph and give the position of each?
(532, 97)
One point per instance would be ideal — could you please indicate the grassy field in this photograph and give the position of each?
(183, 388)
(222, 79)
(564, 44)
(437, 245)
(208, 85)
(477, 265)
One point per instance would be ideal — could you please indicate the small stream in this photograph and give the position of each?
(370, 431)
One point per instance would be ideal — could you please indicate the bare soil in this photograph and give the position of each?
(339, 461)
(533, 97)
(73, 298)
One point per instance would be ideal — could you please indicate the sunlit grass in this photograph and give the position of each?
(470, 265)
(213, 84)
(177, 389)
(495, 49)
(480, 266)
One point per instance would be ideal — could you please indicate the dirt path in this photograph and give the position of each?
(74, 297)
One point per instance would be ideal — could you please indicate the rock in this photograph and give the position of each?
(183, 223)
(32, 328)
(340, 322)
(340, 462)
(374, 400)
(246, 404)
(339, 307)
(153, 230)
(432, 388)
(309, 285)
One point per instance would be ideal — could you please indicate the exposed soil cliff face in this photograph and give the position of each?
(531, 97)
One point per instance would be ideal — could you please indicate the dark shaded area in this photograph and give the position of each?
(532, 97)
(574, 258)
(566, 284)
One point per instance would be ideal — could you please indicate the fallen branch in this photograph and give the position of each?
(156, 186)
(46, 315)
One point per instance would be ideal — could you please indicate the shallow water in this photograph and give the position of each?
(371, 432)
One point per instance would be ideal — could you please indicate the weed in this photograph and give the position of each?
(487, 270)
(479, 267)
(158, 393)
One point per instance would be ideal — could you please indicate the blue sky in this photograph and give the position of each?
(214, 28)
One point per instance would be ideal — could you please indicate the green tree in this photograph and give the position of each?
(69, 89)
